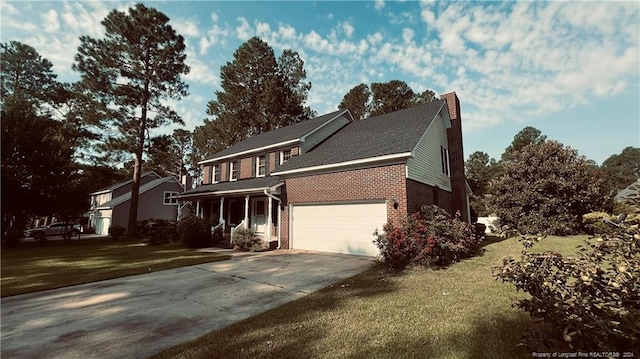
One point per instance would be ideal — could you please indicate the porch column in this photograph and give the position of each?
(198, 208)
(221, 213)
(246, 211)
(269, 224)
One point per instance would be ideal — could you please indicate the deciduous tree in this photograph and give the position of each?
(480, 170)
(527, 136)
(137, 65)
(623, 169)
(546, 188)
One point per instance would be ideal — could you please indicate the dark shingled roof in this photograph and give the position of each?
(391, 133)
(259, 182)
(282, 134)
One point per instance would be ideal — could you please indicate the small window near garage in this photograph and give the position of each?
(261, 166)
(216, 174)
(168, 201)
(284, 156)
(444, 154)
(234, 171)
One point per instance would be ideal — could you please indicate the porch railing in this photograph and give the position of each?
(241, 225)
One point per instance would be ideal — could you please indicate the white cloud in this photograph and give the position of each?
(7, 9)
(348, 29)
(187, 28)
(379, 4)
(407, 35)
(287, 32)
(50, 19)
(243, 32)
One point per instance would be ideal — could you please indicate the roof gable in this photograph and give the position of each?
(291, 133)
(144, 188)
(393, 133)
(123, 183)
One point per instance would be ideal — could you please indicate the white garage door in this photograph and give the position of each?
(337, 228)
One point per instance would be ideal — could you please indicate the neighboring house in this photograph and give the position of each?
(329, 182)
(632, 191)
(110, 206)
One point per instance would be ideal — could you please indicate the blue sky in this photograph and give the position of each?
(570, 69)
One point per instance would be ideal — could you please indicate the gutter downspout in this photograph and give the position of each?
(266, 193)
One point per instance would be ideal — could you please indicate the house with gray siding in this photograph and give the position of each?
(110, 206)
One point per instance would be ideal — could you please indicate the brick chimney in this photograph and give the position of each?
(459, 200)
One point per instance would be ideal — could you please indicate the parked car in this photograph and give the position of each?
(64, 229)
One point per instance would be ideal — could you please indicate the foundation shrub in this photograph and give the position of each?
(245, 240)
(194, 232)
(429, 237)
(158, 231)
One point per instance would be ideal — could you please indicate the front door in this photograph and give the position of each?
(259, 215)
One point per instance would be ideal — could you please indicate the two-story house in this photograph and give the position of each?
(110, 206)
(329, 182)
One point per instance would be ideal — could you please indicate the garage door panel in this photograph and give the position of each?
(338, 228)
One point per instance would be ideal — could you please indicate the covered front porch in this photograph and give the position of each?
(242, 206)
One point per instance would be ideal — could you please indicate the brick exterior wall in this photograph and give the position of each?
(245, 168)
(380, 183)
(456, 157)
(271, 161)
(420, 194)
(295, 151)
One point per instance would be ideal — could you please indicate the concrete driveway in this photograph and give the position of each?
(137, 316)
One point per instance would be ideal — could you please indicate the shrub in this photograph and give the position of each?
(546, 188)
(158, 231)
(116, 231)
(429, 237)
(245, 240)
(594, 222)
(194, 232)
(217, 235)
(586, 302)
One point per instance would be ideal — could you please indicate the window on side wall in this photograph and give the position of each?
(261, 166)
(444, 154)
(233, 173)
(168, 201)
(284, 156)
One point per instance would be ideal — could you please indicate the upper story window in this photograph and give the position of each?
(215, 175)
(444, 155)
(261, 166)
(233, 171)
(285, 155)
(170, 201)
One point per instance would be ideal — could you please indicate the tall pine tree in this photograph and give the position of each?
(137, 64)
(259, 94)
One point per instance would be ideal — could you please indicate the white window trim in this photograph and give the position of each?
(444, 157)
(233, 165)
(215, 169)
(282, 160)
(165, 198)
(258, 166)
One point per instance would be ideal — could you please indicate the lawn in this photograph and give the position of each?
(31, 267)
(458, 312)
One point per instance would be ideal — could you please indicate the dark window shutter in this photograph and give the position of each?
(253, 167)
(266, 163)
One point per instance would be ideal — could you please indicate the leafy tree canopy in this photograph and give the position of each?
(381, 98)
(528, 135)
(546, 188)
(480, 170)
(623, 169)
(259, 93)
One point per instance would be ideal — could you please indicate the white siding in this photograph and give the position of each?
(426, 165)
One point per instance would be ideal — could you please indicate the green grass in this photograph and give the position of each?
(31, 267)
(458, 312)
